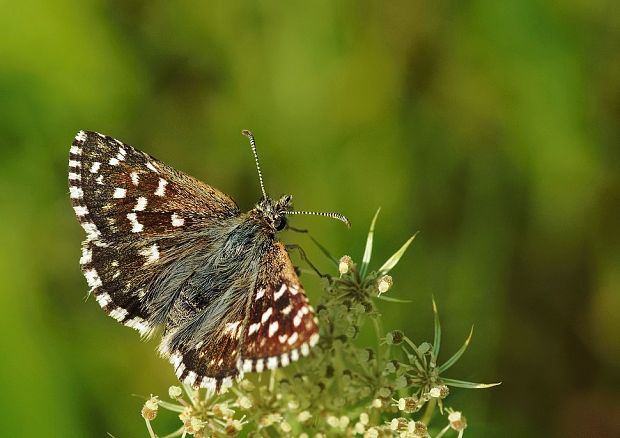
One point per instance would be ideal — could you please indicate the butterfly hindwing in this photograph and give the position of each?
(281, 324)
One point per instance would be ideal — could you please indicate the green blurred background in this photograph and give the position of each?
(491, 127)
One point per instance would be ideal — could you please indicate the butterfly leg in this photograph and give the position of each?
(304, 257)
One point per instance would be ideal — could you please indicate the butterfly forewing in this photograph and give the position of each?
(132, 207)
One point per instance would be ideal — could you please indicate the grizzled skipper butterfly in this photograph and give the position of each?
(165, 249)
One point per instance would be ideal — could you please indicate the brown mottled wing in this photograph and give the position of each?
(136, 212)
(281, 324)
(212, 362)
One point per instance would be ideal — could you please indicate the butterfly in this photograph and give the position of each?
(164, 249)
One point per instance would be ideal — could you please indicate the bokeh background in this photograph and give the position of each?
(490, 127)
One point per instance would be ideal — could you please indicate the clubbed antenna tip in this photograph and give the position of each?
(249, 135)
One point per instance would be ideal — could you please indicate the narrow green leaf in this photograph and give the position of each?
(324, 250)
(437, 338)
(392, 261)
(368, 249)
(468, 385)
(393, 300)
(458, 354)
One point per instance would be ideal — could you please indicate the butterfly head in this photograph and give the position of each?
(273, 213)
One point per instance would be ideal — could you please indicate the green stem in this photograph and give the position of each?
(428, 413)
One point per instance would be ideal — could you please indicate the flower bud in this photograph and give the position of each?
(175, 392)
(244, 402)
(418, 428)
(345, 265)
(233, 427)
(443, 391)
(408, 404)
(435, 392)
(394, 337)
(457, 421)
(304, 416)
(333, 421)
(384, 284)
(286, 428)
(399, 424)
(149, 410)
(371, 433)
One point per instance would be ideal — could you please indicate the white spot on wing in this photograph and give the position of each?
(119, 193)
(253, 328)
(260, 365)
(75, 150)
(151, 254)
(287, 309)
(177, 221)
(138, 323)
(135, 178)
(279, 293)
(191, 378)
(74, 163)
(100, 180)
(92, 278)
(87, 256)
(136, 226)
(74, 176)
(118, 313)
(247, 365)
(305, 350)
(161, 187)
(151, 167)
(292, 339)
(92, 233)
(76, 192)
(114, 161)
(94, 168)
(272, 363)
(140, 204)
(260, 294)
(81, 136)
(273, 328)
(80, 210)
(266, 315)
(284, 359)
(103, 299)
(294, 355)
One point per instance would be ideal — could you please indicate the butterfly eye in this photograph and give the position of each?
(279, 223)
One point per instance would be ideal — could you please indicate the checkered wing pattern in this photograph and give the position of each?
(136, 212)
(281, 323)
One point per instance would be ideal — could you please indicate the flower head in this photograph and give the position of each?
(384, 283)
(345, 265)
(149, 410)
(457, 421)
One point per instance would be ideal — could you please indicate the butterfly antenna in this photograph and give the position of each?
(249, 135)
(319, 213)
